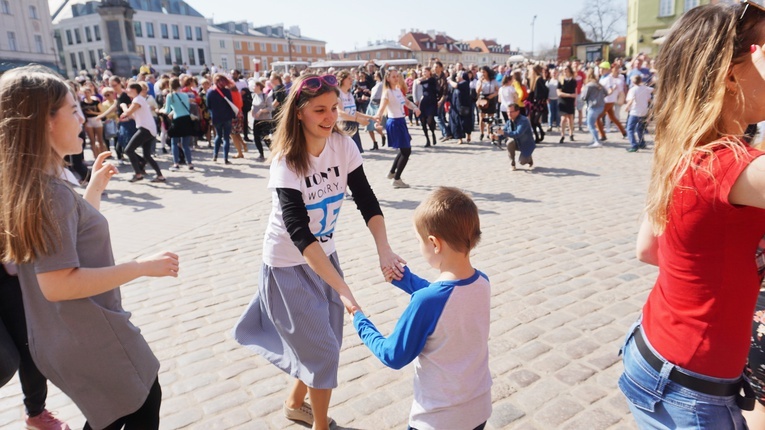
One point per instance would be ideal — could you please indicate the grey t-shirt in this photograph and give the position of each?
(594, 94)
(86, 347)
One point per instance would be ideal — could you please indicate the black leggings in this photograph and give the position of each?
(141, 139)
(145, 418)
(400, 162)
(428, 121)
(260, 129)
(14, 349)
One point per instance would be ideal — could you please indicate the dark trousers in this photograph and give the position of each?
(145, 418)
(245, 125)
(141, 139)
(400, 162)
(512, 146)
(260, 129)
(14, 347)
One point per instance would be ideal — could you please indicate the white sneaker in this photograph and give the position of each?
(595, 145)
(391, 175)
(398, 183)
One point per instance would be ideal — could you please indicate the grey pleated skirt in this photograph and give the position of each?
(295, 321)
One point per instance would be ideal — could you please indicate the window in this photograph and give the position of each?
(224, 63)
(39, 44)
(178, 55)
(189, 36)
(239, 63)
(77, 37)
(274, 48)
(153, 55)
(168, 57)
(73, 60)
(262, 47)
(12, 41)
(88, 36)
(237, 44)
(163, 30)
(137, 29)
(176, 32)
(222, 43)
(6, 7)
(150, 30)
(298, 49)
(690, 4)
(92, 55)
(33, 12)
(141, 51)
(199, 33)
(377, 55)
(81, 55)
(309, 49)
(97, 32)
(192, 58)
(666, 7)
(69, 37)
(100, 54)
(201, 53)
(282, 48)
(249, 46)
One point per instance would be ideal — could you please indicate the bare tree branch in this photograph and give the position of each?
(602, 20)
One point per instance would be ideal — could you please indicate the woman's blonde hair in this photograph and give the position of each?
(688, 104)
(289, 140)
(29, 97)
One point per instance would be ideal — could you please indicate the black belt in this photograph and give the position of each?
(687, 381)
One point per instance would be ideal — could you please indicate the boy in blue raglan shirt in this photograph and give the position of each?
(445, 327)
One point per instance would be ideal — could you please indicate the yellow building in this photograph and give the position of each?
(649, 20)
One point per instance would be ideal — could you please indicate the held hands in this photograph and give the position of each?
(102, 172)
(350, 304)
(160, 265)
(391, 265)
(363, 121)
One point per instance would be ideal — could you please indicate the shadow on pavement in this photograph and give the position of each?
(195, 187)
(399, 204)
(556, 171)
(141, 201)
(500, 197)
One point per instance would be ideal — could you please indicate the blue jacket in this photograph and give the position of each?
(520, 130)
(220, 111)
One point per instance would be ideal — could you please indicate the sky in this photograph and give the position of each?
(348, 25)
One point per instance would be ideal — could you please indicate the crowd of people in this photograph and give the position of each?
(693, 359)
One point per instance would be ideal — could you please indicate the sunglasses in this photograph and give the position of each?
(315, 82)
(746, 4)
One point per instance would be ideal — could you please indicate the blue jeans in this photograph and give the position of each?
(185, 141)
(636, 124)
(659, 403)
(441, 121)
(593, 112)
(553, 117)
(222, 134)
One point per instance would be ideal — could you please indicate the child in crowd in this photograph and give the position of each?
(445, 328)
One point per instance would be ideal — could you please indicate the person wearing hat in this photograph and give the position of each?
(613, 82)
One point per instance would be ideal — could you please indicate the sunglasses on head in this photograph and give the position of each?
(314, 83)
(754, 5)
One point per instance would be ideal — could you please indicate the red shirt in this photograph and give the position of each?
(580, 77)
(699, 313)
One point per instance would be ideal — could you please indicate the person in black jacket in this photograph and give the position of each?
(538, 93)
(461, 112)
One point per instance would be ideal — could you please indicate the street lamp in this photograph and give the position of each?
(532, 35)
(289, 45)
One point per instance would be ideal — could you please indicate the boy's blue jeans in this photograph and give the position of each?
(222, 134)
(636, 124)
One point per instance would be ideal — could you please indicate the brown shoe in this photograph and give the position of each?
(304, 414)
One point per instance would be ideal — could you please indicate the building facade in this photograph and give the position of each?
(161, 33)
(26, 34)
(648, 20)
(380, 50)
(257, 48)
(432, 44)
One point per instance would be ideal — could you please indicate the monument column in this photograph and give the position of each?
(117, 16)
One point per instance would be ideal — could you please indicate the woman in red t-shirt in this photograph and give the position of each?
(683, 360)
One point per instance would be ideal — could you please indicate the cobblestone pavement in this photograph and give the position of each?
(558, 246)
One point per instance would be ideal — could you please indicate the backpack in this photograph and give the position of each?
(246, 99)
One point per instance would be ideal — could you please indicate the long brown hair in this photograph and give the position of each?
(29, 97)
(692, 68)
(289, 139)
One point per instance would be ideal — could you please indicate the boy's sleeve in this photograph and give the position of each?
(410, 282)
(412, 330)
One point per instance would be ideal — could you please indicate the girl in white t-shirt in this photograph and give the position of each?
(296, 319)
(392, 104)
(347, 109)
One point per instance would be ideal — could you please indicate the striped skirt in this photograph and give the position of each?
(295, 321)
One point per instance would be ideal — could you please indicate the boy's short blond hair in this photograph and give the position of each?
(450, 215)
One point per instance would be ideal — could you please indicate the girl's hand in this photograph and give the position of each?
(160, 265)
(391, 265)
(102, 172)
(350, 304)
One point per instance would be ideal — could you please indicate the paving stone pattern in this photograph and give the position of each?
(558, 246)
